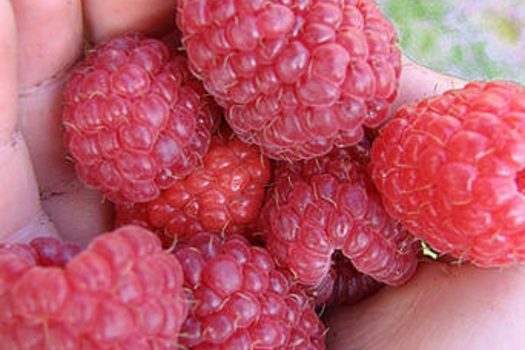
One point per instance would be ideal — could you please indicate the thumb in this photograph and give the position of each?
(443, 307)
(418, 82)
(21, 215)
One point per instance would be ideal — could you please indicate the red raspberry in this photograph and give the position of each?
(241, 301)
(451, 167)
(135, 119)
(296, 77)
(122, 292)
(329, 204)
(224, 195)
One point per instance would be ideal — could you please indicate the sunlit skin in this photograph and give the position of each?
(443, 307)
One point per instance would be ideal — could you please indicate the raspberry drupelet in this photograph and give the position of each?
(45, 251)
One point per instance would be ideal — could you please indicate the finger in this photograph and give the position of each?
(105, 19)
(8, 73)
(444, 307)
(418, 82)
(20, 213)
(51, 41)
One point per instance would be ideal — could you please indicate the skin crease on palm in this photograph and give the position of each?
(443, 307)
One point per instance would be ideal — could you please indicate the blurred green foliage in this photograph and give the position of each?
(472, 39)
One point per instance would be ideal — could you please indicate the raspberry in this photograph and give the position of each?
(45, 251)
(224, 195)
(328, 204)
(450, 168)
(295, 77)
(122, 292)
(241, 301)
(135, 119)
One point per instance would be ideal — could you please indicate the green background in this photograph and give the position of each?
(471, 39)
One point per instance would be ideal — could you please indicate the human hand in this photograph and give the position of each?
(41, 41)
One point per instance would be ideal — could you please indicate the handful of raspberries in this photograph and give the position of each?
(259, 176)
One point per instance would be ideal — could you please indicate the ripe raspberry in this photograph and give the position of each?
(328, 204)
(122, 292)
(135, 119)
(224, 195)
(450, 168)
(241, 301)
(296, 77)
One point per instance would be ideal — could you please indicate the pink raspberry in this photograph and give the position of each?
(223, 195)
(122, 292)
(241, 301)
(296, 77)
(329, 205)
(135, 119)
(450, 168)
